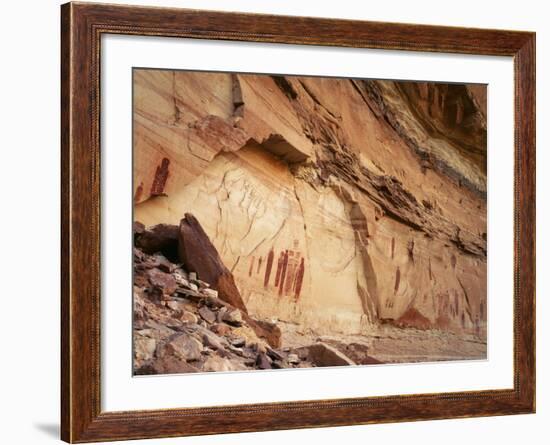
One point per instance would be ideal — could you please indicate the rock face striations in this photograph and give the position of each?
(346, 207)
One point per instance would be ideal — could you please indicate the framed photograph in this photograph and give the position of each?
(276, 222)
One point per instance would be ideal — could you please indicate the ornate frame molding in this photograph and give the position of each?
(82, 25)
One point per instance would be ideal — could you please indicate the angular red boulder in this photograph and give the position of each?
(162, 280)
(199, 255)
(270, 332)
(161, 238)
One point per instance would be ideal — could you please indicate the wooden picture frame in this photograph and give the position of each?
(82, 26)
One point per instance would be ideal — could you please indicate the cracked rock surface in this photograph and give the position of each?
(345, 207)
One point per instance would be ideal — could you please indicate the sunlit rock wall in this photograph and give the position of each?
(339, 204)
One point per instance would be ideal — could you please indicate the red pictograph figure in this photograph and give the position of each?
(251, 268)
(283, 273)
(291, 269)
(268, 267)
(161, 176)
(279, 268)
(299, 279)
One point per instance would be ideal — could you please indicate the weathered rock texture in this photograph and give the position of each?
(341, 205)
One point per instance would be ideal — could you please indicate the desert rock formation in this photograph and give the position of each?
(343, 206)
(183, 324)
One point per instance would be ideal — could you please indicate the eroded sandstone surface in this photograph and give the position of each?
(342, 207)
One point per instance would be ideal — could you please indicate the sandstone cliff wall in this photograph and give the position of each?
(339, 204)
